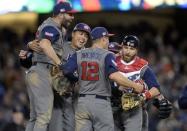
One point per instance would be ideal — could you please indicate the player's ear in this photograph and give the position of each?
(103, 39)
(72, 34)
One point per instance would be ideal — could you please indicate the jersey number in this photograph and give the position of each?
(90, 71)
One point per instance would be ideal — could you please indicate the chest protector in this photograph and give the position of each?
(133, 70)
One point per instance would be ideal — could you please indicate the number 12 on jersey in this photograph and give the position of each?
(90, 71)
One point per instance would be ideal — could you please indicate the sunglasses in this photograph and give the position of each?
(70, 14)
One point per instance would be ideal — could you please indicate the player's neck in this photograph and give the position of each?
(128, 62)
(95, 45)
(58, 23)
(74, 47)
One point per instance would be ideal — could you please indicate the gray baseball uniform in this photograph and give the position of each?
(38, 78)
(63, 111)
(93, 110)
(63, 117)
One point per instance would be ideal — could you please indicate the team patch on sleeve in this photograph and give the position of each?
(50, 33)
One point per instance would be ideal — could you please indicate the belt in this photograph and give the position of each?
(47, 65)
(96, 96)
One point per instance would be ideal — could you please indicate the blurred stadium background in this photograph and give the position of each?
(160, 25)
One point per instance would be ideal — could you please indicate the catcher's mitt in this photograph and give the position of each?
(60, 83)
(130, 101)
(164, 108)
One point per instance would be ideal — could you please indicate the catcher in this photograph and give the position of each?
(133, 116)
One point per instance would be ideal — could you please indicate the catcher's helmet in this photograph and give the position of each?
(131, 40)
(114, 47)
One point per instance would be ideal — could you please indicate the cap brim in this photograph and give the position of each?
(81, 30)
(85, 31)
(110, 35)
(119, 46)
(115, 51)
(72, 11)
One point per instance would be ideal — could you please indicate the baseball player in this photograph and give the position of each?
(39, 76)
(63, 112)
(95, 67)
(80, 36)
(135, 118)
(182, 101)
(115, 101)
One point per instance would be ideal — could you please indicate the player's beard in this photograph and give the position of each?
(66, 23)
(128, 58)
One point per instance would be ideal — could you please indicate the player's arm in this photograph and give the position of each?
(34, 46)
(70, 67)
(25, 58)
(163, 105)
(49, 36)
(113, 73)
(46, 47)
(151, 81)
(182, 101)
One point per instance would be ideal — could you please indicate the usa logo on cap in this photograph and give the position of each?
(62, 10)
(86, 27)
(104, 33)
(111, 45)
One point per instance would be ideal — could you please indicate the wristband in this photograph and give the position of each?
(147, 95)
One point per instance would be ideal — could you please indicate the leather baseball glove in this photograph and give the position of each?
(130, 101)
(59, 82)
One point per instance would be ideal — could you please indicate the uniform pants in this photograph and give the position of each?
(93, 114)
(41, 97)
(133, 120)
(117, 118)
(63, 116)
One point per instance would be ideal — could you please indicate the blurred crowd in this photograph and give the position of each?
(166, 52)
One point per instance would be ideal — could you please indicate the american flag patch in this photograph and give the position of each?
(49, 34)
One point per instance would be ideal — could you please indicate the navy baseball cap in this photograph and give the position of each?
(114, 47)
(82, 27)
(63, 7)
(99, 32)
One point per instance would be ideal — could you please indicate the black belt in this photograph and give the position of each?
(96, 96)
(47, 65)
